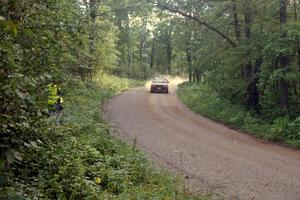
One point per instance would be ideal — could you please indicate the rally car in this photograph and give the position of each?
(159, 85)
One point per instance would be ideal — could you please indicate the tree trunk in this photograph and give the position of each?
(298, 52)
(153, 50)
(128, 58)
(295, 10)
(128, 44)
(252, 90)
(251, 76)
(297, 38)
(194, 75)
(93, 14)
(143, 40)
(248, 18)
(189, 61)
(284, 60)
(198, 75)
(236, 21)
(141, 48)
(169, 50)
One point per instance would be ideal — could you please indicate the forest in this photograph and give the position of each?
(240, 57)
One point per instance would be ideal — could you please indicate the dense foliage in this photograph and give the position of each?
(40, 41)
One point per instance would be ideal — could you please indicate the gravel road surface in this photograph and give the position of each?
(210, 156)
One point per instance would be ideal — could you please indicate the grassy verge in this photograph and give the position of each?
(201, 99)
(81, 160)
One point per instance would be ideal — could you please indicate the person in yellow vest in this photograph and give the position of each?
(55, 99)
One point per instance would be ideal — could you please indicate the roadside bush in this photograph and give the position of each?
(285, 129)
(203, 100)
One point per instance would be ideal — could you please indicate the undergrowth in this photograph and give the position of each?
(81, 160)
(201, 99)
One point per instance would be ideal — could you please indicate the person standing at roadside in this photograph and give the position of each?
(55, 100)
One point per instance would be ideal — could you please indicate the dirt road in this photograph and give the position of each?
(208, 154)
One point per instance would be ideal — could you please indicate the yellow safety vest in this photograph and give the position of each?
(53, 97)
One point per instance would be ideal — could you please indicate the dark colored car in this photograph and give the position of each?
(160, 86)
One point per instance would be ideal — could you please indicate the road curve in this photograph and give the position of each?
(209, 155)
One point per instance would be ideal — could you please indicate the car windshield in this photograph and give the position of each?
(160, 81)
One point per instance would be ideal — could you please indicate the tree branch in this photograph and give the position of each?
(200, 22)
